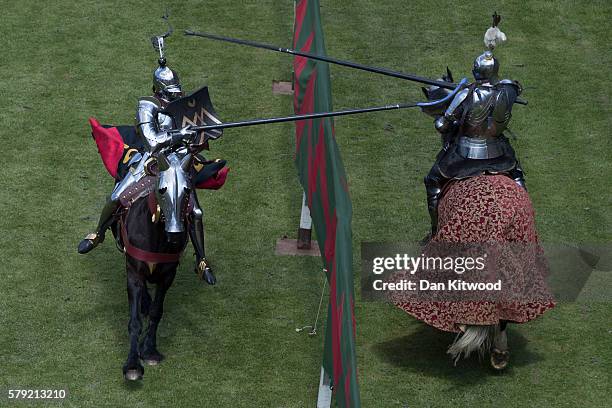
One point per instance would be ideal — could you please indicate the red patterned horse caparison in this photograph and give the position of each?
(487, 209)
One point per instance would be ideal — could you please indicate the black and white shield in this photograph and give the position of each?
(195, 110)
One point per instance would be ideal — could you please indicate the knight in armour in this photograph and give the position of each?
(157, 132)
(472, 125)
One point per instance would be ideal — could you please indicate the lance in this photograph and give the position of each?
(383, 71)
(292, 118)
(305, 116)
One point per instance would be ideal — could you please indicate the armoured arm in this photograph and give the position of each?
(146, 123)
(149, 128)
(452, 114)
(515, 86)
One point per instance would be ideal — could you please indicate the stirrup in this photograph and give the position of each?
(92, 236)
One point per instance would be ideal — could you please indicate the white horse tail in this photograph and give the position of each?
(474, 338)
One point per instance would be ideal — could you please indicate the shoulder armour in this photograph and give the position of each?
(457, 100)
(147, 108)
(150, 99)
(513, 83)
(503, 106)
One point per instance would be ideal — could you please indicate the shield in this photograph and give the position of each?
(195, 110)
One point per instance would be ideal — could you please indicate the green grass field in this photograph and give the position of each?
(63, 316)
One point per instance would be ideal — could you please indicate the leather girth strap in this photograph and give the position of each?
(146, 256)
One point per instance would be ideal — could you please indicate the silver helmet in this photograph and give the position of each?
(486, 67)
(166, 84)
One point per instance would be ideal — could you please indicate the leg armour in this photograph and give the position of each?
(196, 233)
(434, 181)
(106, 219)
(112, 204)
(196, 230)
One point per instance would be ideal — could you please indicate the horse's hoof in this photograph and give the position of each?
(133, 373)
(153, 359)
(499, 358)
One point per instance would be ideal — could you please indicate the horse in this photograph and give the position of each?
(150, 225)
(142, 232)
(489, 209)
(152, 229)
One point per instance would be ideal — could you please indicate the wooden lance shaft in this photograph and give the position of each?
(305, 116)
(377, 70)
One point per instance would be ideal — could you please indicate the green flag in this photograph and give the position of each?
(323, 178)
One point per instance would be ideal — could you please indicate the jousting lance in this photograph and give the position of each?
(292, 118)
(383, 71)
(305, 116)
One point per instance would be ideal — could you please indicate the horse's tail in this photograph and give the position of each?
(474, 338)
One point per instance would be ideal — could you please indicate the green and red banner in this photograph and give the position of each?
(323, 178)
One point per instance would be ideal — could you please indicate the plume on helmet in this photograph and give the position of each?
(158, 40)
(494, 36)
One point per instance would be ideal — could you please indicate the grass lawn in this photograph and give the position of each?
(63, 316)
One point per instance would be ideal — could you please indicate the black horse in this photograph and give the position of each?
(152, 252)
(141, 232)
